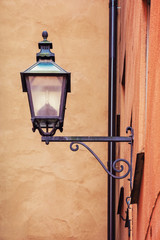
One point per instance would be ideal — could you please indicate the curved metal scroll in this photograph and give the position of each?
(75, 147)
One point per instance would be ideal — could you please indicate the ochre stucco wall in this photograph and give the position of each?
(49, 192)
(139, 105)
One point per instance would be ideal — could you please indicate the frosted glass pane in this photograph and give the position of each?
(46, 95)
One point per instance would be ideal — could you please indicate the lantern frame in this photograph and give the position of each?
(46, 67)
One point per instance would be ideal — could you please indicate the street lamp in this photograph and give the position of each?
(47, 85)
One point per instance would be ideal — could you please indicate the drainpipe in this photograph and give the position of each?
(112, 114)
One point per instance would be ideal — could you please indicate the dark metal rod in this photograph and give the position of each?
(86, 139)
(131, 172)
(112, 114)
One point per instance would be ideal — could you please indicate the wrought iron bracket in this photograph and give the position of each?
(76, 141)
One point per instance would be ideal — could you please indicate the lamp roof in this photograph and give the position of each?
(45, 67)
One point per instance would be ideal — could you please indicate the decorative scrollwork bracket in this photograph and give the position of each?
(76, 141)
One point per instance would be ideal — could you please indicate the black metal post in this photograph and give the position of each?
(112, 114)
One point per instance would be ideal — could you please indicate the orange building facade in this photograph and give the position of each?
(138, 105)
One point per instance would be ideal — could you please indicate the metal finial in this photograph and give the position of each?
(45, 47)
(44, 35)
